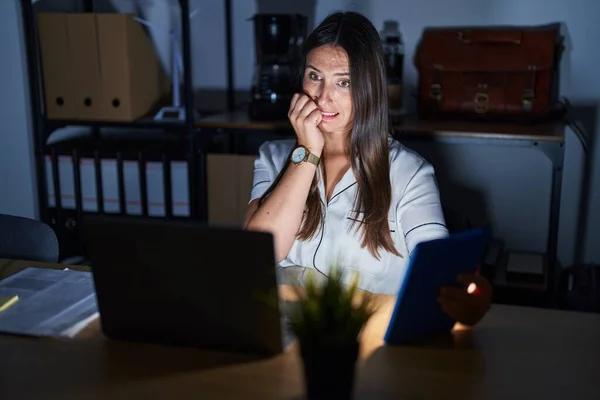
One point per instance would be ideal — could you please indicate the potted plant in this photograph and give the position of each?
(327, 322)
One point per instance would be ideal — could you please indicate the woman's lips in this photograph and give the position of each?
(328, 116)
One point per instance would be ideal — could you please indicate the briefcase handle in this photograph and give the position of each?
(490, 36)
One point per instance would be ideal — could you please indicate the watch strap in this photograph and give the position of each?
(313, 159)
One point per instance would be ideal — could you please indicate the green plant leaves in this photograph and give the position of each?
(328, 315)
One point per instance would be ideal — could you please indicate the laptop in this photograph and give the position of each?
(183, 283)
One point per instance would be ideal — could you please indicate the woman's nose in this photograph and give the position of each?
(322, 97)
(314, 93)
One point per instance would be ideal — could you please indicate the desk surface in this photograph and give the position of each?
(513, 353)
(411, 125)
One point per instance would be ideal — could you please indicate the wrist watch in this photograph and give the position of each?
(301, 154)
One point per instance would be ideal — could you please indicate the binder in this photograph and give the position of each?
(99, 67)
(133, 81)
(59, 85)
(85, 67)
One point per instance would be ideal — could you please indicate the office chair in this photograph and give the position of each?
(27, 239)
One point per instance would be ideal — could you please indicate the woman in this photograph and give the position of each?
(345, 191)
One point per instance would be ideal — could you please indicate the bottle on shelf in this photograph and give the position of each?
(393, 48)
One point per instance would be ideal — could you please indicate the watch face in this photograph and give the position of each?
(298, 155)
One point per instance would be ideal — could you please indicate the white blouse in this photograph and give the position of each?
(415, 215)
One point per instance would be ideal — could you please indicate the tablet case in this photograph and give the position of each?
(433, 264)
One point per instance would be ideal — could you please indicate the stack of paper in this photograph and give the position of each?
(50, 302)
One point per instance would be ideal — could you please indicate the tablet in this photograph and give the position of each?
(433, 264)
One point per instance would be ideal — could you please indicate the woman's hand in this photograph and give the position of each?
(305, 116)
(467, 306)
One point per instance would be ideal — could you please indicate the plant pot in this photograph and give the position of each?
(329, 372)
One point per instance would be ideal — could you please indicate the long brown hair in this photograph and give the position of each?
(369, 152)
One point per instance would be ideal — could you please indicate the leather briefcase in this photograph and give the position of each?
(489, 73)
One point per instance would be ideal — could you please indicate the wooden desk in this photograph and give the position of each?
(514, 353)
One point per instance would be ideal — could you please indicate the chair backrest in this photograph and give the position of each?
(27, 239)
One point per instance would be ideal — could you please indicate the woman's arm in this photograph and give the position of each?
(281, 213)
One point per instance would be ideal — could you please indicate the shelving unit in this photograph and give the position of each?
(163, 142)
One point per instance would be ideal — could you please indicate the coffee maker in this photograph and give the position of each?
(278, 40)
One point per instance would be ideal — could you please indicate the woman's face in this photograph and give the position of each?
(327, 81)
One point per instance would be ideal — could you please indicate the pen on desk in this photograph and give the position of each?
(7, 301)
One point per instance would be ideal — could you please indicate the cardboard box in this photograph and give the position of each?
(99, 66)
(229, 182)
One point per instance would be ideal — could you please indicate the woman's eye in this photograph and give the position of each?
(345, 84)
(313, 76)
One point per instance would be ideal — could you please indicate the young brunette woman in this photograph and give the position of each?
(344, 191)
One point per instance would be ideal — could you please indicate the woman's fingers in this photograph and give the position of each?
(295, 98)
(315, 116)
(307, 110)
(299, 106)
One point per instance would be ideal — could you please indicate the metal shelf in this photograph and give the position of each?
(164, 142)
(143, 123)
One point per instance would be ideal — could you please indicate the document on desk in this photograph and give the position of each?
(51, 302)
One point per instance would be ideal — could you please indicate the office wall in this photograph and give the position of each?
(516, 197)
